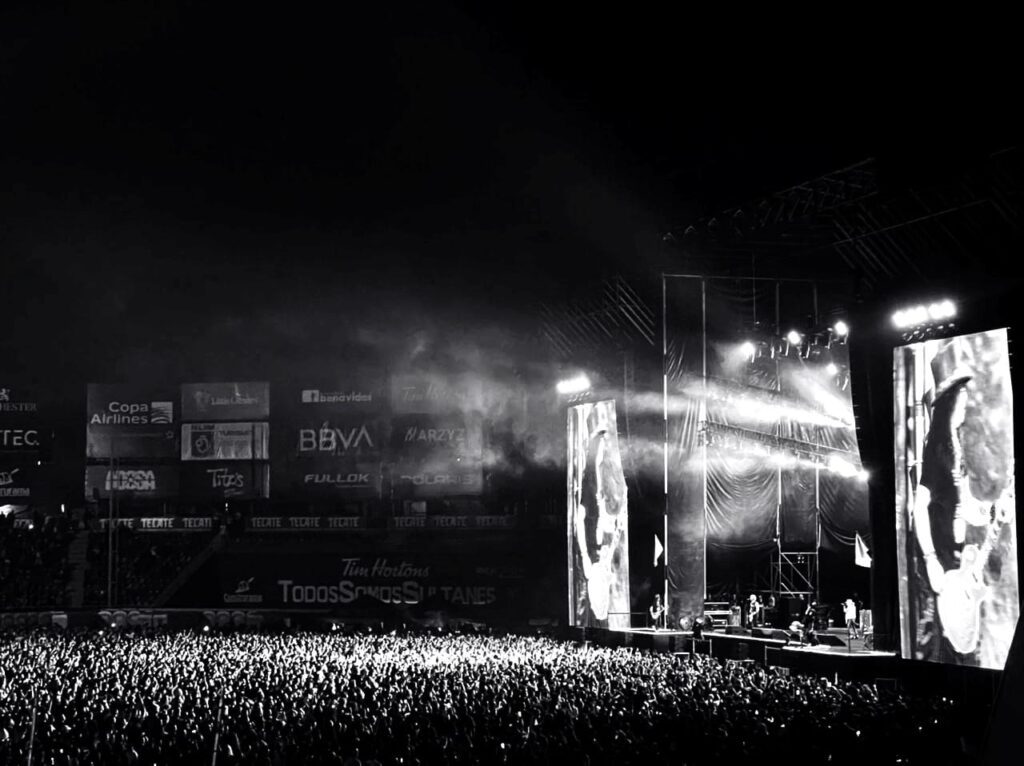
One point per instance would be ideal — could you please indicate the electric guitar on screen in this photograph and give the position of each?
(963, 589)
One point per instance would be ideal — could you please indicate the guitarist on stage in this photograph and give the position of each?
(657, 611)
(951, 525)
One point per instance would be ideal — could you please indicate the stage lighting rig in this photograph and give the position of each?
(925, 320)
(575, 385)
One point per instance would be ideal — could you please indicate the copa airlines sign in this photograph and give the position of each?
(119, 413)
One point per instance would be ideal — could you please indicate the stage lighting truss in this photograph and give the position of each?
(780, 451)
(816, 347)
(925, 321)
(928, 332)
(580, 398)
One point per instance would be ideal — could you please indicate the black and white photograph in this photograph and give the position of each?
(440, 383)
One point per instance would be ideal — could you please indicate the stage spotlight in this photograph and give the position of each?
(794, 337)
(920, 315)
(942, 310)
(841, 329)
(747, 348)
(863, 475)
(840, 466)
(576, 385)
(831, 368)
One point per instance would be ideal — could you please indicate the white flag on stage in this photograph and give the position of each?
(658, 550)
(860, 552)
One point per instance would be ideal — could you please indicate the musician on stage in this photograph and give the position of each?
(754, 610)
(850, 615)
(810, 618)
(657, 613)
(948, 519)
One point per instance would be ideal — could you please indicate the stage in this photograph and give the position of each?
(834, 652)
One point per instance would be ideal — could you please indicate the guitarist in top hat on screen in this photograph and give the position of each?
(956, 532)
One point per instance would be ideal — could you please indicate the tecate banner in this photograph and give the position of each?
(225, 401)
(130, 422)
(156, 482)
(225, 481)
(224, 441)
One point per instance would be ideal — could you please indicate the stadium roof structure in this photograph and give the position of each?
(864, 233)
(614, 315)
(875, 223)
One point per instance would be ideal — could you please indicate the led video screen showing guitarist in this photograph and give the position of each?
(956, 531)
(598, 520)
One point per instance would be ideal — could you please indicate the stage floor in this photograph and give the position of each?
(835, 648)
(853, 643)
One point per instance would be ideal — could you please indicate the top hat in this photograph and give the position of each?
(949, 368)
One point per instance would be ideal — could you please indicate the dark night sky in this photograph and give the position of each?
(221, 189)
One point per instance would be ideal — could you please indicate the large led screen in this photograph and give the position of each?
(956, 536)
(598, 515)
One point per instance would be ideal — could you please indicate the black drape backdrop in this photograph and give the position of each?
(871, 377)
(757, 479)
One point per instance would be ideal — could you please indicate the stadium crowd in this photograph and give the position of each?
(33, 563)
(146, 563)
(416, 698)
